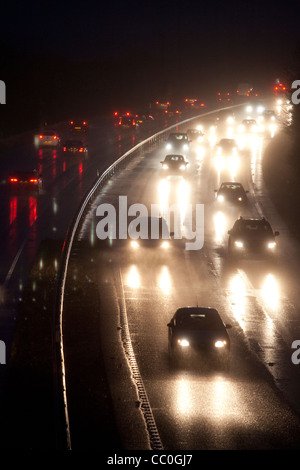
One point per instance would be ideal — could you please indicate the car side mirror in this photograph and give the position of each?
(172, 234)
(215, 190)
(227, 325)
(246, 191)
(276, 234)
(170, 324)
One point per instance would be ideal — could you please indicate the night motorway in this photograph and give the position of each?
(149, 228)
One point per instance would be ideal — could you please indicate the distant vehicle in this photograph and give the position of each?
(227, 146)
(206, 125)
(174, 165)
(75, 146)
(173, 112)
(178, 142)
(195, 134)
(244, 89)
(48, 138)
(143, 118)
(248, 125)
(231, 192)
(251, 238)
(127, 121)
(193, 103)
(198, 333)
(153, 233)
(78, 127)
(25, 180)
(224, 97)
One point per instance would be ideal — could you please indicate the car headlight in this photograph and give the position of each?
(239, 244)
(182, 167)
(249, 109)
(271, 245)
(220, 198)
(168, 146)
(241, 128)
(134, 244)
(165, 166)
(183, 342)
(165, 245)
(185, 147)
(220, 343)
(260, 109)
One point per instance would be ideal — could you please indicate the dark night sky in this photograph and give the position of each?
(156, 46)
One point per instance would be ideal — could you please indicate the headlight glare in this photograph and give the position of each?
(183, 342)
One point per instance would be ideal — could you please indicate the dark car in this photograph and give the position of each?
(227, 146)
(231, 192)
(75, 146)
(200, 333)
(149, 232)
(178, 142)
(252, 238)
(78, 127)
(174, 165)
(25, 180)
(127, 122)
(195, 135)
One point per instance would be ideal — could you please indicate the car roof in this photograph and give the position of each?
(231, 185)
(48, 132)
(227, 141)
(174, 157)
(74, 142)
(178, 135)
(198, 318)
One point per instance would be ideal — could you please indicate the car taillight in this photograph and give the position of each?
(81, 149)
(84, 123)
(33, 180)
(55, 137)
(13, 180)
(65, 149)
(41, 136)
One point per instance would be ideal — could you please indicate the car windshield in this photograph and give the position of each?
(231, 187)
(174, 158)
(74, 143)
(227, 143)
(178, 137)
(199, 320)
(48, 133)
(255, 227)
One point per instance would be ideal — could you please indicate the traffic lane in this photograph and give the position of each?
(22, 210)
(134, 279)
(200, 407)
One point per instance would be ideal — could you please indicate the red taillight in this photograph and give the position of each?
(71, 122)
(55, 137)
(65, 149)
(81, 149)
(13, 180)
(33, 180)
(84, 123)
(41, 136)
